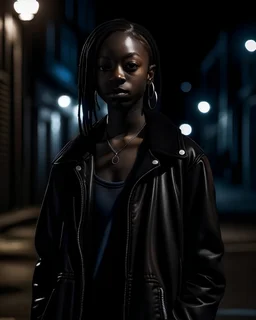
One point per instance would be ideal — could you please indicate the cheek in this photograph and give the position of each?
(100, 83)
(141, 84)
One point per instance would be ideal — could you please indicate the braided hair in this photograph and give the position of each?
(87, 63)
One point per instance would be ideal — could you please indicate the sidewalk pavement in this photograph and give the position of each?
(18, 217)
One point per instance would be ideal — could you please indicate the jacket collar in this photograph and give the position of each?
(163, 138)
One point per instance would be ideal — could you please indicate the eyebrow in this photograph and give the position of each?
(130, 54)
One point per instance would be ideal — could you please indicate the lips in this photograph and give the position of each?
(118, 92)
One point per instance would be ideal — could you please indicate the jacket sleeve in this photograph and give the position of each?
(47, 238)
(203, 281)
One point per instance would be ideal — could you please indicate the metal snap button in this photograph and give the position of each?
(155, 161)
(78, 168)
(182, 152)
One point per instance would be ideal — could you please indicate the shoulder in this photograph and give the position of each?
(73, 150)
(194, 151)
(192, 147)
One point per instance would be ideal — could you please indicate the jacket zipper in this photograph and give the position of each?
(180, 276)
(48, 302)
(163, 304)
(128, 238)
(78, 239)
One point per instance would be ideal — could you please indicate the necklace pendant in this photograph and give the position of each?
(115, 159)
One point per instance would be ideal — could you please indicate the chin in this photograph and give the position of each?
(120, 103)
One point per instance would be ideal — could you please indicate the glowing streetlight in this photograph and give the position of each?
(250, 45)
(186, 129)
(185, 86)
(204, 106)
(64, 101)
(26, 9)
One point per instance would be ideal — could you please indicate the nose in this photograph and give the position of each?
(118, 74)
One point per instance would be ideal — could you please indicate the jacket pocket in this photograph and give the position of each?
(148, 301)
(60, 305)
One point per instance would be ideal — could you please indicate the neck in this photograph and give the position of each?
(124, 124)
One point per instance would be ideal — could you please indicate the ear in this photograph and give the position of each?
(151, 73)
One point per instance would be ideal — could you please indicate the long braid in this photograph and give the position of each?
(86, 76)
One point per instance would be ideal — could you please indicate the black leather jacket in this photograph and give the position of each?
(165, 251)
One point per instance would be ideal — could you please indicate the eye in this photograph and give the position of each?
(104, 67)
(131, 66)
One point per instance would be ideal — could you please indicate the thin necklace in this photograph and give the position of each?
(116, 158)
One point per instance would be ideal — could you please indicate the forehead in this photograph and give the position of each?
(121, 43)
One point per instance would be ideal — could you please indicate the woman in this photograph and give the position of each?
(128, 227)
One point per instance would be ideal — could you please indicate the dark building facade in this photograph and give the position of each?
(38, 65)
(227, 82)
(11, 106)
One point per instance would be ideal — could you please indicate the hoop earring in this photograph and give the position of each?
(96, 100)
(152, 98)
